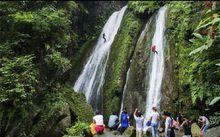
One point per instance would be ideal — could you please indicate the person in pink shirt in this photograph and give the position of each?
(153, 49)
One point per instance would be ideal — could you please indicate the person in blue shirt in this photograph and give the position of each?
(124, 121)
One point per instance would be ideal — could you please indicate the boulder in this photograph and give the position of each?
(195, 130)
(129, 132)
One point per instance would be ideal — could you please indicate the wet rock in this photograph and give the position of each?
(63, 123)
(213, 132)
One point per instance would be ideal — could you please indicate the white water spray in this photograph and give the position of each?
(91, 79)
(157, 64)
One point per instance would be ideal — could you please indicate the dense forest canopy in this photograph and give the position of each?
(44, 45)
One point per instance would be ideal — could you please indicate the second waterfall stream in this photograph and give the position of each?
(91, 79)
(157, 64)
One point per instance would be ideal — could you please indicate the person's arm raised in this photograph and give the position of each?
(182, 123)
(135, 112)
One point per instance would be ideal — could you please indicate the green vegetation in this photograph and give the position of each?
(120, 52)
(59, 106)
(80, 129)
(195, 36)
(44, 45)
(34, 38)
(143, 7)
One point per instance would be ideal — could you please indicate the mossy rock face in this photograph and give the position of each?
(59, 110)
(169, 93)
(118, 62)
(135, 93)
(55, 111)
(79, 106)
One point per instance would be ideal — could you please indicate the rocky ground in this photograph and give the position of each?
(212, 132)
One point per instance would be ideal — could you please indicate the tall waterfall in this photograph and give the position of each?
(91, 79)
(157, 64)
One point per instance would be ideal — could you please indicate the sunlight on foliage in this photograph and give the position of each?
(140, 7)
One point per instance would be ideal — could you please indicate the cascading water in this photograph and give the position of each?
(91, 79)
(124, 90)
(157, 64)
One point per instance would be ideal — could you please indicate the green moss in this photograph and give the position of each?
(80, 58)
(78, 105)
(57, 105)
(121, 51)
(140, 7)
(80, 129)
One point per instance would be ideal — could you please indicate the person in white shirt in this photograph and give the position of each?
(113, 121)
(168, 123)
(205, 124)
(154, 121)
(139, 122)
(98, 121)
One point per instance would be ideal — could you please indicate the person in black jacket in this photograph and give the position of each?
(186, 127)
(103, 36)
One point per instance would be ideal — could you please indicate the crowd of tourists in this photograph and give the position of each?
(148, 124)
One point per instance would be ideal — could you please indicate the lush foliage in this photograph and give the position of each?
(34, 38)
(207, 31)
(215, 119)
(194, 35)
(41, 42)
(120, 52)
(18, 78)
(140, 7)
(80, 129)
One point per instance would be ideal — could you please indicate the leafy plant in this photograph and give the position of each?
(57, 63)
(18, 78)
(215, 119)
(140, 7)
(206, 32)
(80, 129)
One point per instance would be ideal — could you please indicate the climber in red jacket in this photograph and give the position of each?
(153, 49)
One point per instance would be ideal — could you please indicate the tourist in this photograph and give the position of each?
(173, 126)
(113, 121)
(205, 124)
(186, 124)
(139, 122)
(153, 48)
(124, 121)
(98, 121)
(168, 123)
(154, 117)
(92, 128)
(103, 36)
(179, 119)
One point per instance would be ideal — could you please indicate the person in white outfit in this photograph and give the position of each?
(154, 121)
(205, 124)
(139, 122)
(168, 123)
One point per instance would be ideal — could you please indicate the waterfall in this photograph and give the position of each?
(91, 79)
(157, 64)
(124, 90)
